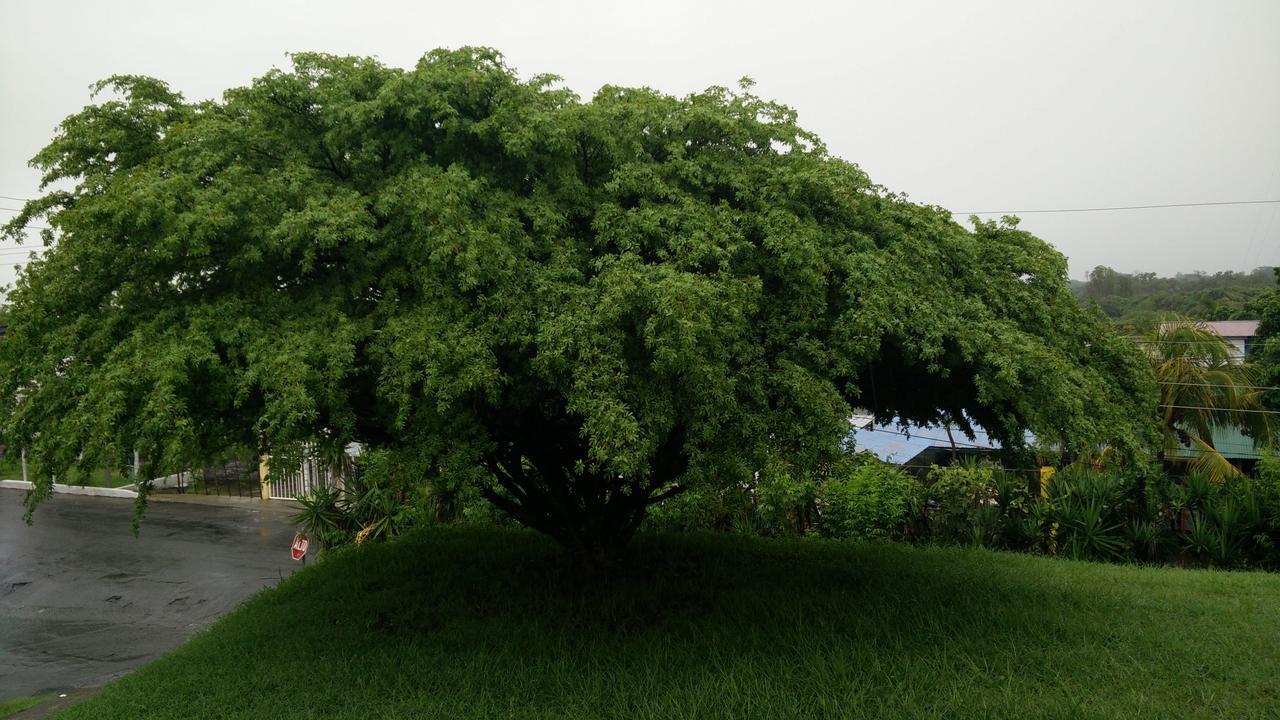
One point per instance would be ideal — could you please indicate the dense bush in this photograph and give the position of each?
(961, 500)
(1078, 512)
(380, 497)
(1121, 516)
(776, 501)
(1088, 512)
(874, 501)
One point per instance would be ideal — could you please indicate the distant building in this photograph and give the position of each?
(1240, 333)
(1230, 442)
(1242, 450)
(916, 447)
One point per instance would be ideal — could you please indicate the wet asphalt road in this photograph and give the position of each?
(83, 601)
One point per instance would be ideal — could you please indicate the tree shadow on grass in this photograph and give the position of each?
(744, 590)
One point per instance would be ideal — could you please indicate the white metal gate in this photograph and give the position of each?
(288, 486)
(310, 475)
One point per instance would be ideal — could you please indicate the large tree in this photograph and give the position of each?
(586, 306)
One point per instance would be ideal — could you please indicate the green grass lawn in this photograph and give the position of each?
(486, 623)
(9, 708)
(11, 469)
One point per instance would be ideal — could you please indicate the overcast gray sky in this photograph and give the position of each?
(976, 105)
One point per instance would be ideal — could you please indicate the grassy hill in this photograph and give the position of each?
(484, 623)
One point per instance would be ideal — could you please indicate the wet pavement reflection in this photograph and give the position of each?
(83, 601)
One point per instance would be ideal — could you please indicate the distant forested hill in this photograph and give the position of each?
(1141, 298)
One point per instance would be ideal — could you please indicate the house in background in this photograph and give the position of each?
(1240, 333)
(917, 447)
(1242, 450)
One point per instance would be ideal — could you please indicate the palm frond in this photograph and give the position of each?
(1212, 464)
(1203, 387)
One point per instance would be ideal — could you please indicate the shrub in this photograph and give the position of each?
(322, 518)
(1019, 520)
(874, 500)
(379, 498)
(705, 507)
(1088, 510)
(956, 495)
(778, 500)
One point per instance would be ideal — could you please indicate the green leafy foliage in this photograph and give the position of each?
(378, 500)
(1140, 299)
(779, 500)
(580, 308)
(875, 501)
(958, 496)
(1265, 351)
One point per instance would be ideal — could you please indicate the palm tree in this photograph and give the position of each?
(1203, 384)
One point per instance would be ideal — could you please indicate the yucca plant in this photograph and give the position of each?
(373, 504)
(1144, 538)
(322, 519)
(1085, 505)
(1086, 532)
(1199, 490)
(1201, 538)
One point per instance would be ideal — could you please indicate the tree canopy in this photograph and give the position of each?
(584, 306)
(1143, 299)
(1265, 352)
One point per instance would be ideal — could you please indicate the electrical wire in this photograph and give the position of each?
(913, 436)
(29, 225)
(1237, 387)
(1222, 410)
(1118, 207)
(1149, 341)
(1001, 469)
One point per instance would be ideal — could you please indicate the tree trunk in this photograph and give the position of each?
(592, 514)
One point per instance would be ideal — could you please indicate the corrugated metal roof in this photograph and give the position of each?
(1230, 441)
(1234, 328)
(895, 444)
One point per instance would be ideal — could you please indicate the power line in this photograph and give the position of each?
(912, 436)
(1238, 387)
(1226, 410)
(1118, 207)
(997, 469)
(1210, 341)
(30, 225)
(1010, 212)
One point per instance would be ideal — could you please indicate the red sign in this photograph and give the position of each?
(299, 547)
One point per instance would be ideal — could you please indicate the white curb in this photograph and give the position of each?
(73, 489)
